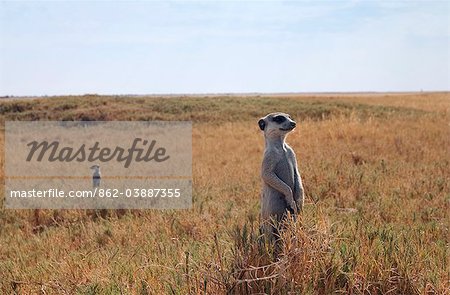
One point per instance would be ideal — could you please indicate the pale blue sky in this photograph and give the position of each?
(142, 47)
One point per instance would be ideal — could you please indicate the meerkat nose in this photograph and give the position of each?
(293, 124)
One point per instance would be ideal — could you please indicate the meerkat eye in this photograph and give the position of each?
(279, 119)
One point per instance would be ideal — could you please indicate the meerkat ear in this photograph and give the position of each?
(262, 124)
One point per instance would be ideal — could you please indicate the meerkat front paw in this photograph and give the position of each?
(291, 203)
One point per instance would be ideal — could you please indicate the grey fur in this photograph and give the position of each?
(282, 190)
(96, 176)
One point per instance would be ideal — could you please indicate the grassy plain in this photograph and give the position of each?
(376, 170)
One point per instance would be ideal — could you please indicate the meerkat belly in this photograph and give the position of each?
(274, 202)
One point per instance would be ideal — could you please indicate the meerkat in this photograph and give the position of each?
(96, 176)
(282, 190)
(96, 180)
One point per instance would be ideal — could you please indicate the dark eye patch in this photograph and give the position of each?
(279, 119)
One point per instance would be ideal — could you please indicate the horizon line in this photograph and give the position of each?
(187, 94)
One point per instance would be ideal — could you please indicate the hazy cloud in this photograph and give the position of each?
(176, 47)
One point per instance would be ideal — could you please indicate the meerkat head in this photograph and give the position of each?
(95, 167)
(276, 124)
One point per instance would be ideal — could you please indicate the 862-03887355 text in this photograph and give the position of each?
(99, 192)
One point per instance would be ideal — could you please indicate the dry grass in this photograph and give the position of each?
(377, 175)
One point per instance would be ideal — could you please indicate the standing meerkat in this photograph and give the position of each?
(282, 190)
(96, 176)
